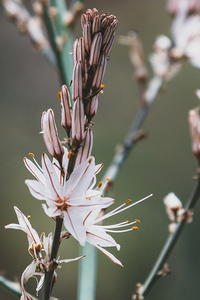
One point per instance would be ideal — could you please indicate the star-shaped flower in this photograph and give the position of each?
(70, 198)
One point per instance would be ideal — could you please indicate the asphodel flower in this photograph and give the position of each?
(34, 242)
(97, 234)
(67, 199)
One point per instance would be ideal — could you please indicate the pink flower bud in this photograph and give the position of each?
(85, 150)
(50, 135)
(78, 121)
(77, 81)
(66, 112)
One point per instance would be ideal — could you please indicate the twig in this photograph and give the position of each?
(169, 245)
(87, 279)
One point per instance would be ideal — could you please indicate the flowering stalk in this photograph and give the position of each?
(169, 245)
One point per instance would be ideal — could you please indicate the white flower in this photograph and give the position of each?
(67, 198)
(35, 245)
(186, 35)
(97, 234)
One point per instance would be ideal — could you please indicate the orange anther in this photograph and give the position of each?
(59, 95)
(128, 201)
(31, 154)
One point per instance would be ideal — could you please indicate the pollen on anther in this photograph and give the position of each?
(90, 160)
(102, 196)
(51, 172)
(59, 95)
(69, 155)
(99, 185)
(137, 221)
(128, 201)
(127, 221)
(108, 178)
(28, 217)
(31, 154)
(102, 86)
(135, 227)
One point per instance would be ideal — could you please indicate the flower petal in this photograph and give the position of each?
(74, 224)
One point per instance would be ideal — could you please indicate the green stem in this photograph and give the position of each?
(49, 274)
(169, 245)
(87, 273)
(13, 288)
(88, 267)
(52, 39)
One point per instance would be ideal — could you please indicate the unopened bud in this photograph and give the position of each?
(173, 206)
(78, 121)
(96, 24)
(50, 135)
(77, 81)
(99, 74)
(194, 122)
(91, 108)
(87, 36)
(85, 150)
(66, 112)
(95, 49)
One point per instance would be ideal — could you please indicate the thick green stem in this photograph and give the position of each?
(87, 273)
(88, 268)
(169, 245)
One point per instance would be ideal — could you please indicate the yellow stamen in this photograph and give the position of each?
(135, 227)
(137, 221)
(59, 95)
(51, 172)
(90, 160)
(28, 217)
(128, 201)
(127, 221)
(108, 178)
(99, 185)
(88, 198)
(69, 155)
(31, 154)
(102, 86)
(102, 196)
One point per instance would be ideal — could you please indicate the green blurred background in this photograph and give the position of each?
(160, 164)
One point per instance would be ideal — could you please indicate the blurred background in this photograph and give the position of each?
(160, 164)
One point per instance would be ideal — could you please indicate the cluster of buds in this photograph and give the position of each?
(90, 54)
(31, 25)
(174, 6)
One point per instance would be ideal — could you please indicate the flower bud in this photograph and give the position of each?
(95, 49)
(99, 74)
(77, 81)
(50, 135)
(66, 112)
(87, 36)
(194, 122)
(85, 150)
(96, 24)
(78, 121)
(173, 207)
(91, 108)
